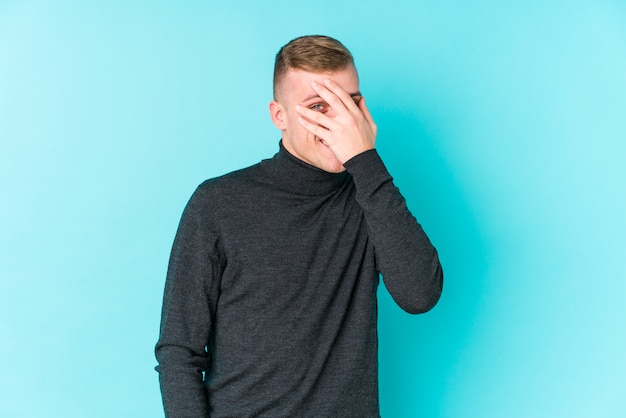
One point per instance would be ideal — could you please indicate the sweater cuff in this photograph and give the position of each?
(367, 170)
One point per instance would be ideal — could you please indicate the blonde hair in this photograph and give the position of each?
(313, 53)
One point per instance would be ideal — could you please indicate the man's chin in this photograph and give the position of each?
(337, 171)
(333, 167)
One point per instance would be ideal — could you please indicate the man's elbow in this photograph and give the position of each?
(426, 295)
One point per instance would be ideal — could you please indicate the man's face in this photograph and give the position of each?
(295, 88)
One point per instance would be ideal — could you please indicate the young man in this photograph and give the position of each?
(270, 299)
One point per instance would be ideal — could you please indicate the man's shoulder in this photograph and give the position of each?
(232, 182)
(242, 175)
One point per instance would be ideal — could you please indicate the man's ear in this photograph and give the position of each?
(277, 113)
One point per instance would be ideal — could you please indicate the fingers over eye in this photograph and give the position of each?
(332, 98)
(315, 116)
(309, 113)
(346, 98)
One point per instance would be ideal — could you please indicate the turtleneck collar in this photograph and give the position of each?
(295, 176)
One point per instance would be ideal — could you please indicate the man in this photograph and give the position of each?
(270, 299)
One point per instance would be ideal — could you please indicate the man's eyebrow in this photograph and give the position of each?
(316, 96)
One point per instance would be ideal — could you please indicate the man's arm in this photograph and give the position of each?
(404, 254)
(190, 290)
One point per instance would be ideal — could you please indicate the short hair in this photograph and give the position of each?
(314, 53)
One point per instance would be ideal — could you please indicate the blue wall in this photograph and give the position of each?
(504, 124)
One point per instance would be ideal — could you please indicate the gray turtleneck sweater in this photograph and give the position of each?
(270, 298)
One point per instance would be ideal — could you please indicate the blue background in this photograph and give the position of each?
(503, 124)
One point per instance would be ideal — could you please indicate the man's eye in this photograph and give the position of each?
(318, 107)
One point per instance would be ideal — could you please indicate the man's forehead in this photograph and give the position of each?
(347, 78)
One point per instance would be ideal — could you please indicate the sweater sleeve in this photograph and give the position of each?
(404, 255)
(189, 299)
